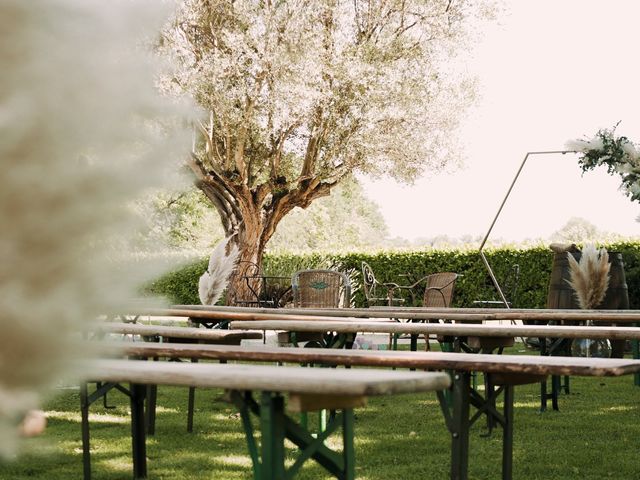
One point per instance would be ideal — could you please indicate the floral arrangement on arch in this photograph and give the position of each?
(619, 154)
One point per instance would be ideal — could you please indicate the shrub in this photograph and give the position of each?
(405, 267)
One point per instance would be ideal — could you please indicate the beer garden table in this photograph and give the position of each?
(308, 389)
(507, 371)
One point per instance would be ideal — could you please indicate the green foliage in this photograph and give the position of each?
(186, 220)
(346, 217)
(407, 267)
(179, 286)
(619, 155)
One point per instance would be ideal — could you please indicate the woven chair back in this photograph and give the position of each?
(439, 289)
(320, 289)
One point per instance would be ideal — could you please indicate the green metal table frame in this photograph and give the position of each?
(275, 425)
(269, 460)
(137, 394)
(459, 421)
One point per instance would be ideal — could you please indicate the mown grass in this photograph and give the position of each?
(595, 435)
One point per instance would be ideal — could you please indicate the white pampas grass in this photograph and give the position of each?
(213, 282)
(589, 277)
(83, 132)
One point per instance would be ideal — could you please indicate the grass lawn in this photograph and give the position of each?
(595, 435)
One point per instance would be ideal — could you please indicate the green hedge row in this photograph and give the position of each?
(403, 267)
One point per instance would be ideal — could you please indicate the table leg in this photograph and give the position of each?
(349, 451)
(277, 426)
(460, 427)
(272, 426)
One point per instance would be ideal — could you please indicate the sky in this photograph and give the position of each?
(549, 71)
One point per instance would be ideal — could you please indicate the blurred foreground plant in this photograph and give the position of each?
(81, 124)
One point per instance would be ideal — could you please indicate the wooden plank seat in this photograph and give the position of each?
(486, 332)
(260, 390)
(446, 329)
(226, 337)
(467, 315)
(416, 313)
(506, 372)
(160, 333)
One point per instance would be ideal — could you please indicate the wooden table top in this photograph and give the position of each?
(323, 381)
(407, 313)
(521, 364)
(176, 332)
(451, 329)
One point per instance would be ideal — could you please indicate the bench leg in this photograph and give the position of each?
(190, 408)
(152, 397)
(138, 432)
(86, 450)
(507, 434)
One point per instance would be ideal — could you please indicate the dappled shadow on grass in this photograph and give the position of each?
(594, 436)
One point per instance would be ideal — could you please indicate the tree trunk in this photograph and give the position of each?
(245, 285)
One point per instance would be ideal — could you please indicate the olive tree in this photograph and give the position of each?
(299, 94)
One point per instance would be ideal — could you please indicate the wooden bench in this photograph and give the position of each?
(172, 334)
(465, 315)
(506, 371)
(226, 337)
(485, 336)
(308, 389)
(417, 313)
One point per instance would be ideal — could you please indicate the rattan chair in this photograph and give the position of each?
(439, 289)
(320, 289)
(438, 292)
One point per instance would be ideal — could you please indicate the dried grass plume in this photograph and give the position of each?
(213, 282)
(84, 131)
(589, 277)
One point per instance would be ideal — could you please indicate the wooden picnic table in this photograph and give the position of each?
(485, 337)
(420, 313)
(227, 337)
(308, 389)
(446, 329)
(506, 372)
(171, 334)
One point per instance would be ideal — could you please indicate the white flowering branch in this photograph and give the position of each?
(619, 154)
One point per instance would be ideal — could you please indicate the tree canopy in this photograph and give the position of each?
(298, 95)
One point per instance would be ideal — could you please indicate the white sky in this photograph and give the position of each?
(551, 71)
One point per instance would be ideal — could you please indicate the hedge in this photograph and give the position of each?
(402, 267)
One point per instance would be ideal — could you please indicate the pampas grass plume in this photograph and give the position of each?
(213, 282)
(84, 131)
(589, 278)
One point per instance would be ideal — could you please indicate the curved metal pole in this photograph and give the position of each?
(484, 240)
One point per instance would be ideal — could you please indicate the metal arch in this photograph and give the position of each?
(484, 240)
